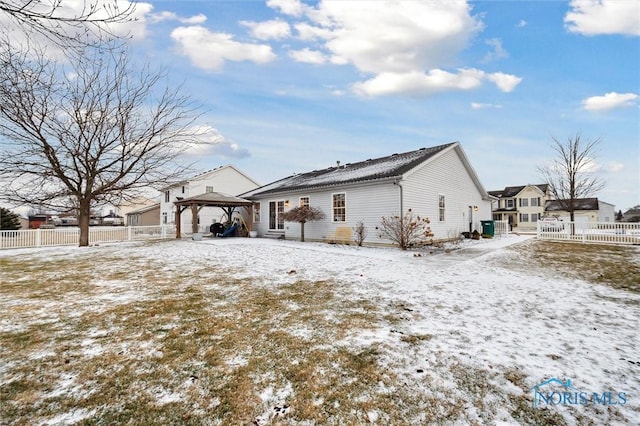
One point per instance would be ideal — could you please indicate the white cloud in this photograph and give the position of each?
(307, 32)
(522, 24)
(267, 30)
(498, 51)
(614, 167)
(478, 105)
(593, 17)
(171, 16)
(308, 56)
(609, 101)
(436, 80)
(211, 142)
(404, 46)
(393, 37)
(287, 7)
(505, 82)
(209, 50)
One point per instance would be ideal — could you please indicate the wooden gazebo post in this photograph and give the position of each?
(177, 220)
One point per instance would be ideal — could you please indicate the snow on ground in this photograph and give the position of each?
(471, 306)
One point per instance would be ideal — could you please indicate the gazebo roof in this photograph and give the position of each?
(214, 199)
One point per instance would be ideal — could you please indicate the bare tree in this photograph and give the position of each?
(360, 233)
(90, 133)
(406, 230)
(302, 215)
(72, 24)
(570, 175)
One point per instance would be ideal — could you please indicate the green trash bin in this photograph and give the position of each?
(488, 227)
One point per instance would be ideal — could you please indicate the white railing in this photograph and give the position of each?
(71, 236)
(600, 232)
(501, 227)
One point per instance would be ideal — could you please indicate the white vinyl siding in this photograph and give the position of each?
(256, 213)
(368, 203)
(445, 174)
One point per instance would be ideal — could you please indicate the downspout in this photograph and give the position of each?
(397, 183)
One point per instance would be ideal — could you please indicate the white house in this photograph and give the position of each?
(437, 182)
(586, 210)
(225, 179)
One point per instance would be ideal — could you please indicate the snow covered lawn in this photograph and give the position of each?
(255, 331)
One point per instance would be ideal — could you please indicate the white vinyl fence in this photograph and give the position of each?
(501, 227)
(601, 232)
(71, 236)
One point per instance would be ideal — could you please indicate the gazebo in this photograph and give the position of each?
(226, 202)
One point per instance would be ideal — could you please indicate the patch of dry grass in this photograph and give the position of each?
(611, 265)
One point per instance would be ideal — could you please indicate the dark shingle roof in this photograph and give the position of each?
(578, 204)
(368, 170)
(512, 191)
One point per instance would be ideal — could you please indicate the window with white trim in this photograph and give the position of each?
(304, 202)
(509, 203)
(164, 217)
(209, 189)
(535, 202)
(167, 196)
(339, 207)
(524, 202)
(441, 208)
(524, 217)
(534, 217)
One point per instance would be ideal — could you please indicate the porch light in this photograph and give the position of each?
(286, 203)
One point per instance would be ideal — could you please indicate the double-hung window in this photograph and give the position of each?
(304, 201)
(339, 207)
(441, 208)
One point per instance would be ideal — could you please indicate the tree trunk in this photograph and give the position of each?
(302, 232)
(84, 215)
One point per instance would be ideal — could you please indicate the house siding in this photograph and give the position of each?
(445, 174)
(365, 202)
(225, 180)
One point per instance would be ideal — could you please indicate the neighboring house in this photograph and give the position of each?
(139, 203)
(632, 215)
(23, 221)
(587, 210)
(521, 206)
(438, 183)
(146, 216)
(224, 179)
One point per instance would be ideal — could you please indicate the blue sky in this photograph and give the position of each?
(290, 86)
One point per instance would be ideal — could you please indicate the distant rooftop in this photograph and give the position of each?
(512, 191)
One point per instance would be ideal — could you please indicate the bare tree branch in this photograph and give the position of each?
(65, 26)
(90, 133)
(570, 175)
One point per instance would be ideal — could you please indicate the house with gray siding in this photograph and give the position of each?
(437, 182)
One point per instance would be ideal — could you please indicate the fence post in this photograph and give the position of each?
(129, 233)
(38, 237)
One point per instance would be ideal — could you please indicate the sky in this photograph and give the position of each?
(288, 86)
